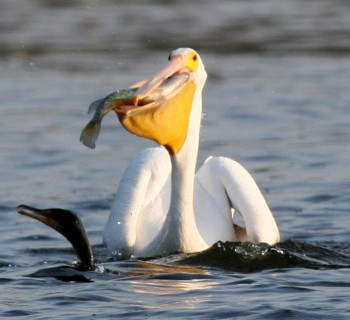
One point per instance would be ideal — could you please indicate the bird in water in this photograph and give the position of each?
(70, 226)
(162, 205)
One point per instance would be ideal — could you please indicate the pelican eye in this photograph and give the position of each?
(195, 58)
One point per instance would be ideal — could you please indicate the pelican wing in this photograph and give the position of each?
(140, 205)
(223, 187)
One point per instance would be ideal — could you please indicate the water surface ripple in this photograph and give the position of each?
(277, 100)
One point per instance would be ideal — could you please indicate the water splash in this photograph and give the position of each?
(253, 257)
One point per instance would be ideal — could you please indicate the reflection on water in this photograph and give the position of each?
(277, 100)
(172, 279)
(172, 286)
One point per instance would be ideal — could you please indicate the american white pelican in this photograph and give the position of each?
(162, 206)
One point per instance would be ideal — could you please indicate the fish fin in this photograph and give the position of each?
(90, 134)
(106, 104)
(94, 105)
(138, 84)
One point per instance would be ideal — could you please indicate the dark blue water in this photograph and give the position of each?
(277, 100)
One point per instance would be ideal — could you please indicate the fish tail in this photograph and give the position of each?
(90, 133)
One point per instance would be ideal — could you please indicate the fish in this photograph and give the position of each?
(100, 108)
(123, 97)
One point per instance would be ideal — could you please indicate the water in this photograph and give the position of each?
(276, 100)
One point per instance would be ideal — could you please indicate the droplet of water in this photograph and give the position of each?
(100, 269)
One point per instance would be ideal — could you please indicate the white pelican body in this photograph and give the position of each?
(162, 206)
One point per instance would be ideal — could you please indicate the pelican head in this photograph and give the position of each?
(166, 121)
(180, 60)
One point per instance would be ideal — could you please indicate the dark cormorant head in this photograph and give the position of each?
(70, 226)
